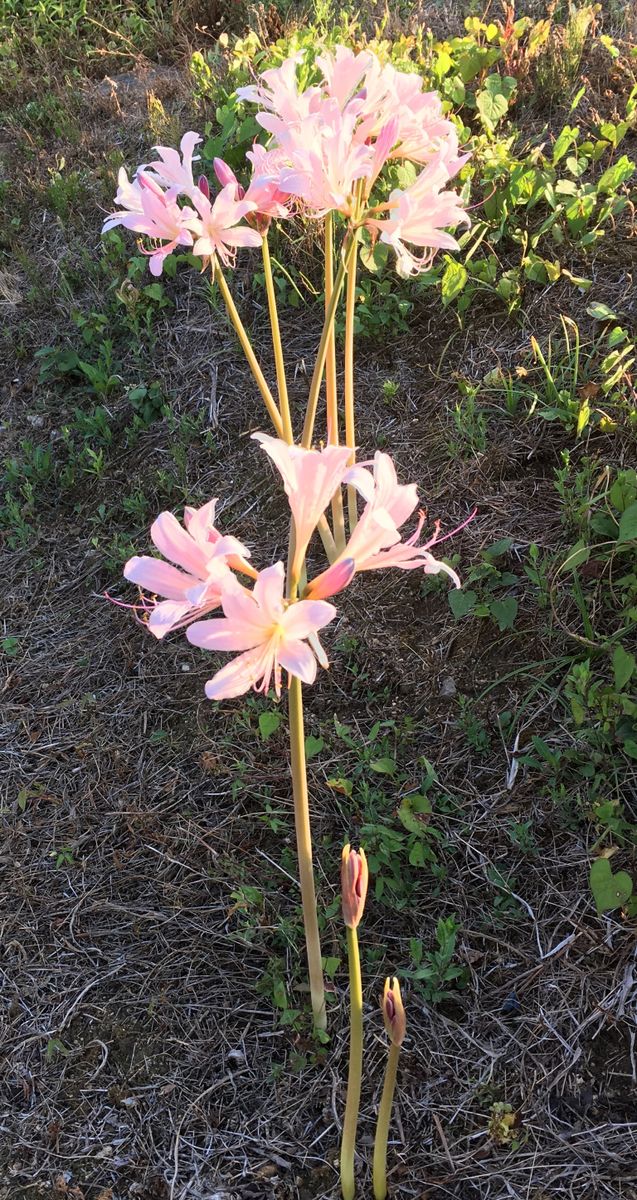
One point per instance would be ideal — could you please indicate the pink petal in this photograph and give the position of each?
(334, 580)
(297, 658)
(176, 545)
(433, 566)
(268, 591)
(305, 617)
(236, 678)
(158, 577)
(222, 634)
(168, 615)
(241, 606)
(242, 237)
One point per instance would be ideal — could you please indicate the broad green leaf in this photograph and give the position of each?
(504, 612)
(454, 278)
(601, 312)
(313, 746)
(628, 524)
(412, 810)
(563, 141)
(461, 602)
(269, 722)
(383, 766)
(609, 891)
(614, 176)
(623, 667)
(493, 101)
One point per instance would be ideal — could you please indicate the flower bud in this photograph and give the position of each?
(393, 1012)
(333, 580)
(226, 175)
(204, 186)
(354, 880)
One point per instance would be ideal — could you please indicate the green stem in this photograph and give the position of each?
(350, 434)
(240, 331)
(304, 851)
(317, 376)
(382, 1125)
(277, 346)
(331, 388)
(355, 1075)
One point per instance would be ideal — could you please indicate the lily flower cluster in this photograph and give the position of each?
(328, 145)
(271, 627)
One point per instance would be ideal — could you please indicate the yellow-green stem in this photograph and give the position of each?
(304, 851)
(350, 433)
(279, 362)
(331, 389)
(240, 331)
(382, 1125)
(355, 1074)
(317, 376)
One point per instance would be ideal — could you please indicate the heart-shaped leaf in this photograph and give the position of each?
(609, 891)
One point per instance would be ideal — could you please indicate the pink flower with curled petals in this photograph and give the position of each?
(174, 170)
(376, 542)
(420, 214)
(263, 191)
(204, 559)
(325, 161)
(159, 217)
(269, 633)
(310, 479)
(217, 229)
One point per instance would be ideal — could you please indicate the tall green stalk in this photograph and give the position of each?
(331, 391)
(304, 851)
(277, 346)
(382, 1125)
(240, 331)
(319, 365)
(350, 434)
(355, 1074)
(395, 1026)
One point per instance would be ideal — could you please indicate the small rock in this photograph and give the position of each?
(448, 687)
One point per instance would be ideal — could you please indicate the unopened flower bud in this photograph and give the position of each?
(354, 880)
(333, 580)
(204, 186)
(226, 175)
(394, 1012)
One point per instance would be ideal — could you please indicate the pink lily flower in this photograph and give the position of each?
(174, 170)
(160, 218)
(343, 71)
(325, 160)
(215, 227)
(278, 93)
(420, 214)
(310, 479)
(263, 190)
(270, 633)
(205, 558)
(376, 542)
